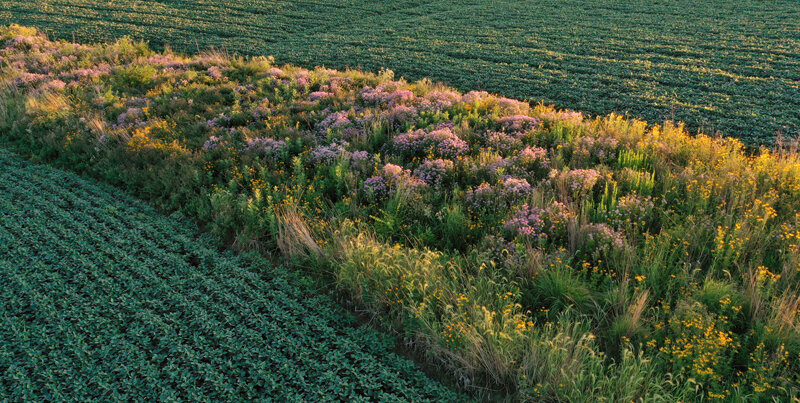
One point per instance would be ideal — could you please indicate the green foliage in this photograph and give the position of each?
(634, 159)
(557, 289)
(134, 77)
(455, 227)
(105, 299)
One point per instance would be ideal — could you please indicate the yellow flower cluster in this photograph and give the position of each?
(700, 346)
(142, 138)
(454, 332)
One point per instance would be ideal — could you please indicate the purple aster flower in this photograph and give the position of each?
(215, 72)
(582, 181)
(335, 120)
(537, 223)
(434, 172)
(318, 95)
(328, 153)
(212, 143)
(376, 187)
(518, 123)
(265, 146)
(441, 142)
(441, 100)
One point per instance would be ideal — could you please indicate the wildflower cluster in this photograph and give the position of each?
(632, 210)
(265, 146)
(602, 239)
(435, 172)
(534, 223)
(440, 142)
(486, 198)
(328, 153)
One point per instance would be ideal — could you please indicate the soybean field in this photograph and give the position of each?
(723, 67)
(102, 298)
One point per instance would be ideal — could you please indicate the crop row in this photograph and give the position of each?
(103, 298)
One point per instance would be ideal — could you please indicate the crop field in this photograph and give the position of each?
(730, 67)
(530, 253)
(102, 298)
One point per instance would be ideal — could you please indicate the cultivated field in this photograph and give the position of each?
(724, 66)
(103, 298)
(534, 253)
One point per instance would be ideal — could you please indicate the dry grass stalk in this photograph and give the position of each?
(784, 315)
(294, 235)
(637, 307)
(753, 295)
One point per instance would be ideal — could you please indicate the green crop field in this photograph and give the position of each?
(730, 67)
(103, 298)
